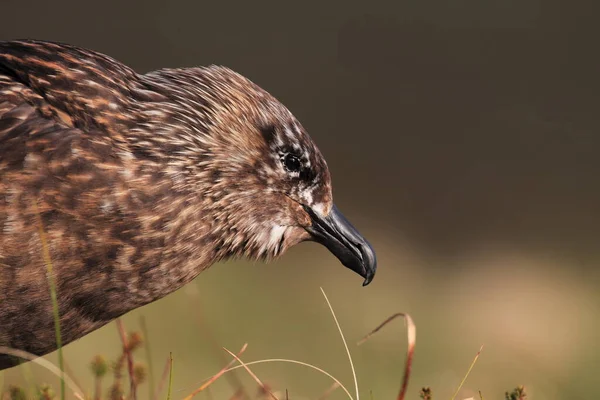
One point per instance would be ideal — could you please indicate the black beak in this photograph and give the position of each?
(337, 234)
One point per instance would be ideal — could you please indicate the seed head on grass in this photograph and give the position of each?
(16, 393)
(116, 392)
(140, 373)
(134, 341)
(99, 366)
(425, 393)
(517, 394)
(45, 392)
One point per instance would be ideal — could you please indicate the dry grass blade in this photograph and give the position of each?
(163, 378)
(412, 339)
(262, 385)
(217, 375)
(345, 344)
(129, 358)
(328, 392)
(77, 392)
(285, 360)
(468, 372)
(209, 334)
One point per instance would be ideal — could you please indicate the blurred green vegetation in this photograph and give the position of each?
(536, 319)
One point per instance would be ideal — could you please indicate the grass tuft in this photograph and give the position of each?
(139, 374)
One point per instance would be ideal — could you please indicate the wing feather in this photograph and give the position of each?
(76, 184)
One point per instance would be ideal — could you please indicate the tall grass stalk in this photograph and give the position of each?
(468, 372)
(170, 377)
(54, 298)
(345, 344)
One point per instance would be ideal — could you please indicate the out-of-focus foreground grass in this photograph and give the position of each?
(536, 319)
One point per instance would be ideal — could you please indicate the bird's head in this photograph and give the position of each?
(264, 180)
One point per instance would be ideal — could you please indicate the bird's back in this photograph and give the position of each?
(63, 169)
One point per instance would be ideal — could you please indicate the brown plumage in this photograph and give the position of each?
(142, 182)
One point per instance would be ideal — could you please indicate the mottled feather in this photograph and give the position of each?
(141, 181)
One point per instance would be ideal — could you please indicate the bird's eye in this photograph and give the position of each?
(292, 163)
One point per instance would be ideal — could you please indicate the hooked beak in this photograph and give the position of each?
(336, 233)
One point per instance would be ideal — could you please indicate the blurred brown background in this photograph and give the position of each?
(462, 137)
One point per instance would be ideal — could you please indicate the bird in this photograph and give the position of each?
(134, 183)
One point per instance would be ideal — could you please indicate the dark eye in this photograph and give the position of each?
(292, 163)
